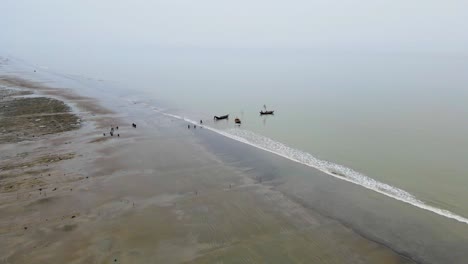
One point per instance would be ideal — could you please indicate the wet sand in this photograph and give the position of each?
(420, 235)
(153, 195)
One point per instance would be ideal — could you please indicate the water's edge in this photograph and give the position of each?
(330, 168)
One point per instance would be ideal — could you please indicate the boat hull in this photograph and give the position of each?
(221, 117)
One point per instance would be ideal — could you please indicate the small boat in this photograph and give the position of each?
(221, 117)
(267, 112)
(237, 121)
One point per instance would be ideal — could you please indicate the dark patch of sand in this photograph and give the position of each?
(84, 103)
(45, 159)
(29, 118)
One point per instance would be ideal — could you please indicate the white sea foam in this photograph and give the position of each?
(330, 168)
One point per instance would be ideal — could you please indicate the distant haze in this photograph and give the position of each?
(27, 26)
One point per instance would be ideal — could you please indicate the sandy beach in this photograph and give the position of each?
(233, 132)
(154, 194)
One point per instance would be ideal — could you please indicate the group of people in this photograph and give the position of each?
(195, 126)
(112, 130)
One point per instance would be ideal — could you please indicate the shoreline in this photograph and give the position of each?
(357, 178)
(195, 194)
(398, 226)
(214, 208)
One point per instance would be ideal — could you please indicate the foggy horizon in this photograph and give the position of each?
(335, 26)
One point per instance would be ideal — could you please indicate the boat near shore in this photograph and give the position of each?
(267, 112)
(221, 117)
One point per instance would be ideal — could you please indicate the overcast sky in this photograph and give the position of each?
(357, 25)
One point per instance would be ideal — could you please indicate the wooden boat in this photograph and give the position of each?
(237, 121)
(267, 112)
(221, 117)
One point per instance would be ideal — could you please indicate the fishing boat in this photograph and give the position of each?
(237, 121)
(221, 117)
(267, 112)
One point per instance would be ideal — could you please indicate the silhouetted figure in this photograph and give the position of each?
(112, 134)
(201, 122)
(118, 135)
(117, 127)
(194, 126)
(112, 129)
(188, 126)
(134, 125)
(104, 134)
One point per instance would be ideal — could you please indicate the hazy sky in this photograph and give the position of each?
(349, 25)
